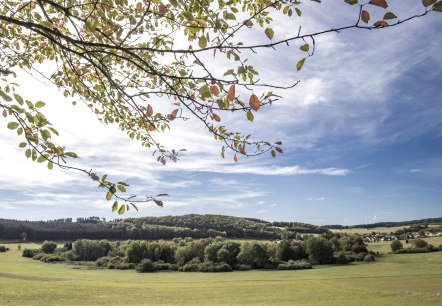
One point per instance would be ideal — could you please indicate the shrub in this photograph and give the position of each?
(295, 265)
(30, 252)
(3, 249)
(419, 243)
(102, 261)
(159, 266)
(368, 258)
(145, 265)
(242, 267)
(396, 245)
(48, 247)
(341, 259)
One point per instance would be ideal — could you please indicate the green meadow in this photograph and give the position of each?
(402, 279)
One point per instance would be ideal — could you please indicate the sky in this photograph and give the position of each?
(361, 133)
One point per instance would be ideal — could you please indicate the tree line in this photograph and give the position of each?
(167, 227)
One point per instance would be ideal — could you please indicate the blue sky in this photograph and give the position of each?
(362, 139)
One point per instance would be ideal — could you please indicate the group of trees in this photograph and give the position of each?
(167, 227)
(209, 254)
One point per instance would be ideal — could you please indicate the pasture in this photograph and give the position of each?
(405, 279)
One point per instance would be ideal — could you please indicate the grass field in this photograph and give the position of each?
(405, 279)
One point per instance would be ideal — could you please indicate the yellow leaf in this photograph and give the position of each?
(427, 3)
(139, 7)
(216, 117)
(380, 24)
(248, 23)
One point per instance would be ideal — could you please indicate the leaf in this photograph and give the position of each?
(72, 154)
(351, 2)
(380, 3)
(248, 23)
(139, 7)
(269, 32)
(50, 165)
(28, 153)
(438, 7)
(305, 47)
(278, 149)
(273, 153)
(300, 64)
(389, 15)
(115, 206)
(298, 11)
(254, 102)
(216, 117)
(235, 158)
(121, 188)
(41, 159)
(173, 115)
(40, 104)
(5, 113)
(109, 195)
(19, 99)
(149, 111)
(162, 9)
(202, 42)
(380, 24)
(427, 3)
(12, 125)
(365, 16)
(214, 90)
(159, 203)
(122, 209)
(231, 93)
(22, 145)
(250, 116)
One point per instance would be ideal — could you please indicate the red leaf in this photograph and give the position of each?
(149, 111)
(231, 94)
(173, 114)
(235, 158)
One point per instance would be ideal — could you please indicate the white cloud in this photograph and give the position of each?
(316, 199)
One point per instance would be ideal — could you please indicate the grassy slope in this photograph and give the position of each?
(406, 279)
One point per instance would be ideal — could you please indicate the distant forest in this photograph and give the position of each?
(387, 224)
(166, 227)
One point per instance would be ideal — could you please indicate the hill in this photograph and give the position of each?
(426, 221)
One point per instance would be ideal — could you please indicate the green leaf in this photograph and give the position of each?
(159, 203)
(13, 125)
(389, 15)
(298, 11)
(438, 6)
(50, 165)
(22, 145)
(18, 98)
(273, 153)
(109, 195)
(305, 47)
(351, 2)
(40, 104)
(250, 116)
(202, 42)
(121, 188)
(72, 154)
(41, 159)
(115, 206)
(300, 64)
(28, 153)
(163, 195)
(269, 32)
(122, 209)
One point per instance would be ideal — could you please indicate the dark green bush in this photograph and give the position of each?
(30, 252)
(3, 249)
(145, 265)
(368, 258)
(295, 265)
(396, 245)
(48, 247)
(160, 266)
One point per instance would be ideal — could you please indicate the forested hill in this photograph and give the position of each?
(389, 224)
(167, 227)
